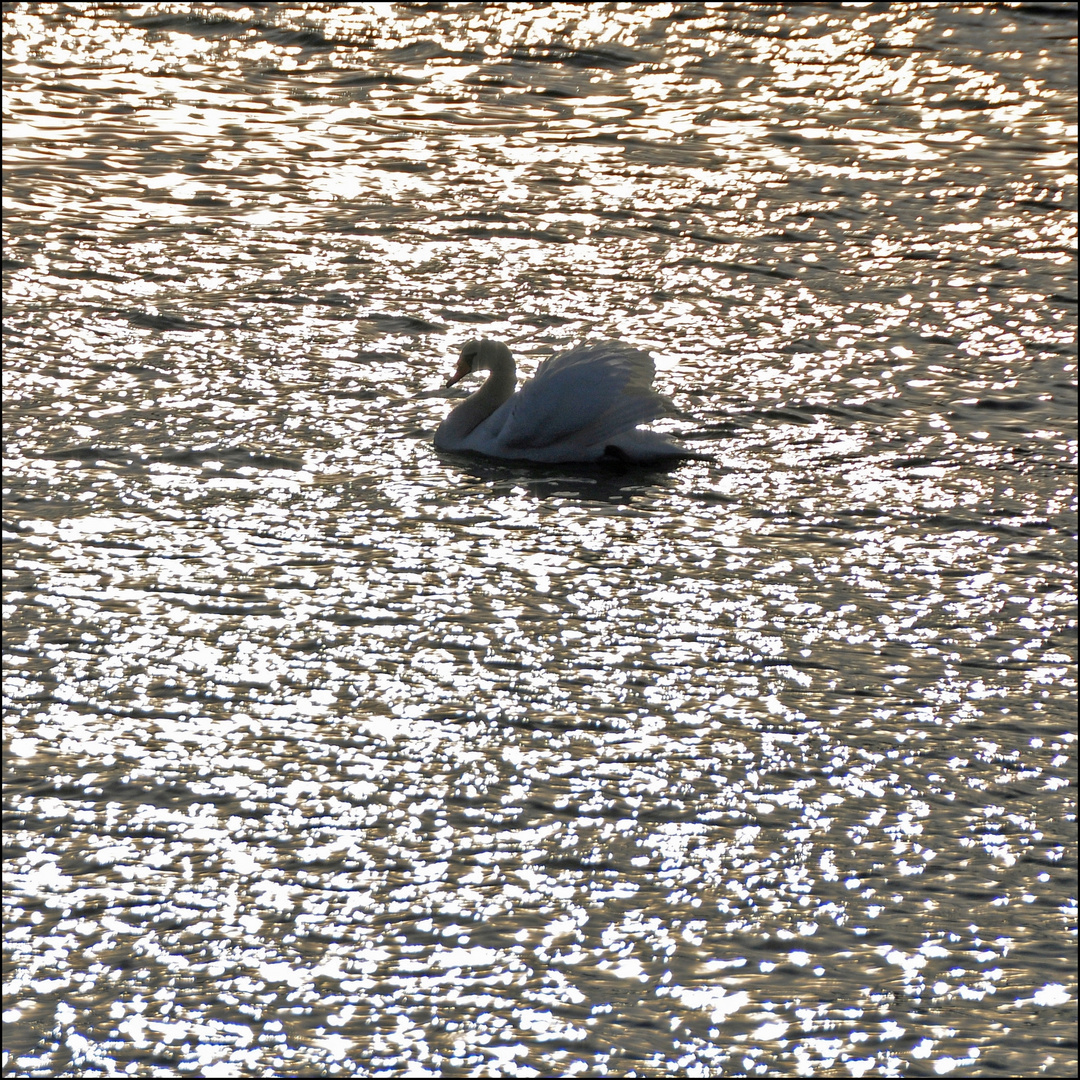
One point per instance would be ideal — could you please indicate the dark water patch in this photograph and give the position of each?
(153, 321)
(368, 357)
(612, 58)
(400, 324)
(999, 404)
(377, 78)
(469, 316)
(213, 25)
(225, 460)
(767, 271)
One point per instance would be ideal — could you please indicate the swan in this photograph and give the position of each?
(582, 406)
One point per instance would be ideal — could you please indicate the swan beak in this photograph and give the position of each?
(463, 369)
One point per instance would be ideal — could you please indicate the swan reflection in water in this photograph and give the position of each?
(583, 406)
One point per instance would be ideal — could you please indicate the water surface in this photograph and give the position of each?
(330, 754)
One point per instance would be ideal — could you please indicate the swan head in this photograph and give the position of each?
(480, 355)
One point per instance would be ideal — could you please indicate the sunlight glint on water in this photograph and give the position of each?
(329, 753)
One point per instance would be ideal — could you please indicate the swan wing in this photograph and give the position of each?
(580, 398)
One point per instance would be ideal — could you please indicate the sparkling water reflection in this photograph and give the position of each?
(329, 753)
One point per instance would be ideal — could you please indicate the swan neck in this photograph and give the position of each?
(476, 408)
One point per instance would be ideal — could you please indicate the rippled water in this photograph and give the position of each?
(331, 754)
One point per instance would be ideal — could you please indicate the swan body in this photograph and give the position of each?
(582, 406)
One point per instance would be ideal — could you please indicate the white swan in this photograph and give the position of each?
(582, 406)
